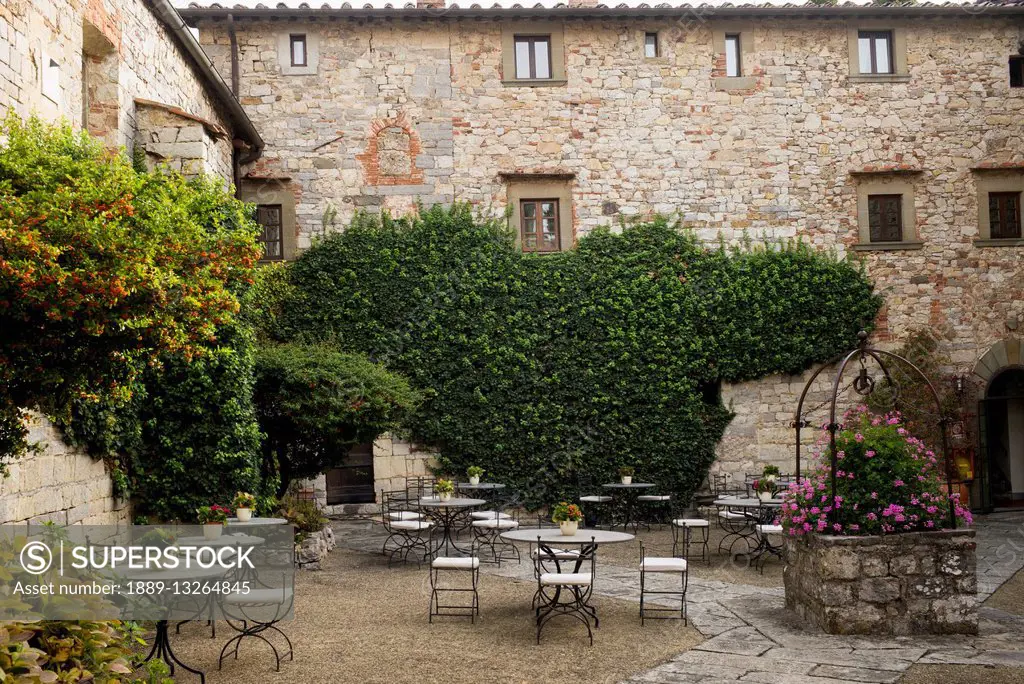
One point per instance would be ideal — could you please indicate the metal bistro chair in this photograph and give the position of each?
(461, 566)
(765, 546)
(566, 593)
(255, 615)
(487, 532)
(690, 523)
(656, 508)
(662, 565)
(405, 532)
(548, 559)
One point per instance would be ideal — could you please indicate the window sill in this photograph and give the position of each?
(735, 82)
(535, 83)
(879, 78)
(1000, 242)
(887, 246)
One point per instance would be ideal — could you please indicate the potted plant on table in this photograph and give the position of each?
(212, 518)
(444, 489)
(474, 473)
(626, 474)
(771, 473)
(765, 489)
(568, 517)
(243, 503)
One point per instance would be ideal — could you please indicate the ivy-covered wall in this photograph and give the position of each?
(552, 371)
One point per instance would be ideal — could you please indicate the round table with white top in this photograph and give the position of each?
(162, 641)
(446, 514)
(754, 511)
(631, 492)
(235, 522)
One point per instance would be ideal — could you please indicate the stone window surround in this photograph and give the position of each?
(555, 29)
(284, 52)
(542, 186)
(886, 183)
(746, 81)
(900, 72)
(995, 180)
(275, 192)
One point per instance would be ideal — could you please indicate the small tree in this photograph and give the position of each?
(315, 403)
(103, 268)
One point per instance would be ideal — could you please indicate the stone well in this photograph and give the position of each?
(915, 583)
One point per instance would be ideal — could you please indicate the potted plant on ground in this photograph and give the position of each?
(568, 517)
(626, 474)
(212, 518)
(444, 489)
(771, 473)
(244, 502)
(765, 488)
(474, 473)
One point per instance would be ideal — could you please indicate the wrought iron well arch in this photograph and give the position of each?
(864, 385)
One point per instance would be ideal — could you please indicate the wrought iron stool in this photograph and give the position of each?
(662, 566)
(469, 564)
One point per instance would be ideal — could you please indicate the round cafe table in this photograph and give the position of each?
(630, 492)
(551, 539)
(162, 641)
(446, 514)
(755, 511)
(235, 522)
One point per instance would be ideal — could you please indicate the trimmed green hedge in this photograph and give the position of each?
(552, 371)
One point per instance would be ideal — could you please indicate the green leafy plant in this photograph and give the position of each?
(314, 403)
(212, 515)
(443, 486)
(537, 368)
(771, 471)
(104, 269)
(626, 471)
(566, 512)
(475, 471)
(243, 500)
(304, 515)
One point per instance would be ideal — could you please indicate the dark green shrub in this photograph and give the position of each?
(551, 372)
(314, 403)
(304, 515)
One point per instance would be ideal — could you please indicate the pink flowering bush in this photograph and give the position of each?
(887, 481)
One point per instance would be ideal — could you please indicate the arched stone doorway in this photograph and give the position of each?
(1001, 425)
(1002, 416)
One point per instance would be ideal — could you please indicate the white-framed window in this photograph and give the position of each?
(297, 49)
(733, 61)
(651, 45)
(874, 52)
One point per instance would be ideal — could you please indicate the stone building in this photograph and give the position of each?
(130, 73)
(891, 133)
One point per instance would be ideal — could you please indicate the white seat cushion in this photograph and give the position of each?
(410, 525)
(654, 497)
(496, 524)
(595, 499)
(484, 515)
(445, 563)
(554, 554)
(404, 515)
(663, 564)
(767, 530)
(578, 579)
(731, 515)
(690, 522)
(258, 597)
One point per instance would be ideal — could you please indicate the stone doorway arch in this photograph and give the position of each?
(1001, 424)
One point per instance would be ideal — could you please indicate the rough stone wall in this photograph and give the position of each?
(917, 583)
(130, 53)
(642, 135)
(184, 143)
(59, 484)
